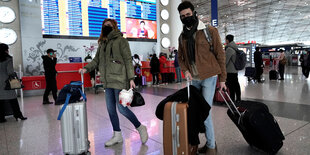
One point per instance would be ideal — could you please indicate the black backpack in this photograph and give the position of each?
(74, 88)
(240, 59)
(70, 93)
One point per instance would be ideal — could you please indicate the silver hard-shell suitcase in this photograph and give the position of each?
(74, 130)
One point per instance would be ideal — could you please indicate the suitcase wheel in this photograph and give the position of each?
(86, 153)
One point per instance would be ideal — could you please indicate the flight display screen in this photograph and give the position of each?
(83, 18)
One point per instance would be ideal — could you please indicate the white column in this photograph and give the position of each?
(175, 23)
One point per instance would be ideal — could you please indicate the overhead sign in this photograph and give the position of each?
(214, 13)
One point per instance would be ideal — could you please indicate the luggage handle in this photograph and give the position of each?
(178, 136)
(82, 79)
(188, 84)
(232, 102)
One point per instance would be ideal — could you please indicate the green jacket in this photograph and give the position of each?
(113, 59)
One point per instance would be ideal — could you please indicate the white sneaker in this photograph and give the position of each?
(143, 133)
(117, 138)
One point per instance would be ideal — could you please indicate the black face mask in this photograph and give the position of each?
(189, 21)
(106, 30)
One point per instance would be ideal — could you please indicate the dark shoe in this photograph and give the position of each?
(193, 149)
(203, 149)
(211, 151)
(281, 79)
(21, 118)
(2, 121)
(207, 150)
(47, 102)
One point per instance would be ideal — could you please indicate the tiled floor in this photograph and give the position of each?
(288, 100)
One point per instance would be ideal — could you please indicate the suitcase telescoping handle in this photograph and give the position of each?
(82, 80)
(231, 101)
(188, 82)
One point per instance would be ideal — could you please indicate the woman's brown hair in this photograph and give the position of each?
(114, 26)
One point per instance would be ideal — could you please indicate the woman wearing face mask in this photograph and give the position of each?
(9, 96)
(113, 59)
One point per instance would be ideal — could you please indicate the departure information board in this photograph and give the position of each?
(83, 18)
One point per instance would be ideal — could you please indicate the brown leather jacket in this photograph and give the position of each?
(208, 64)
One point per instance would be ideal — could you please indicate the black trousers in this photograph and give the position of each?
(233, 86)
(51, 85)
(14, 106)
(164, 77)
(305, 71)
(155, 78)
(259, 72)
(281, 70)
(138, 80)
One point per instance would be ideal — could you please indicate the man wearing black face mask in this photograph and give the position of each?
(201, 64)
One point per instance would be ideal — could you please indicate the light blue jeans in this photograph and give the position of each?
(179, 75)
(112, 101)
(208, 89)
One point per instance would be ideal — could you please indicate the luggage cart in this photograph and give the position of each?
(98, 84)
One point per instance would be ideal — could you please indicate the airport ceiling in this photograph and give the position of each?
(263, 21)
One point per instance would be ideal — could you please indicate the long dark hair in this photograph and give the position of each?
(3, 52)
(136, 56)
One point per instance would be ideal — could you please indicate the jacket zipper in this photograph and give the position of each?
(105, 68)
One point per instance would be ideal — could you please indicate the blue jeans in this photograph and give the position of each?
(208, 90)
(112, 100)
(179, 75)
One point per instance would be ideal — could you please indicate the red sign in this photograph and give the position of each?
(36, 85)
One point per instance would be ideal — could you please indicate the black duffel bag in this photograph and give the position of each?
(74, 88)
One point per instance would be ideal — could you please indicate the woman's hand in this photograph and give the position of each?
(82, 70)
(132, 84)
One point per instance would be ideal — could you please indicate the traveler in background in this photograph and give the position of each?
(137, 69)
(177, 67)
(232, 73)
(155, 69)
(136, 60)
(7, 96)
(201, 65)
(305, 63)
(259, 66)
(163, 69)
(49, 63)
(270, 61)
(281, 66)
(113, 58)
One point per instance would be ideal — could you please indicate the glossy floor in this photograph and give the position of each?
(288, 100)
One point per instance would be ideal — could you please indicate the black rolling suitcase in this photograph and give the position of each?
(250, 72)
(257, 125)
(171, 78)
(273, 74)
